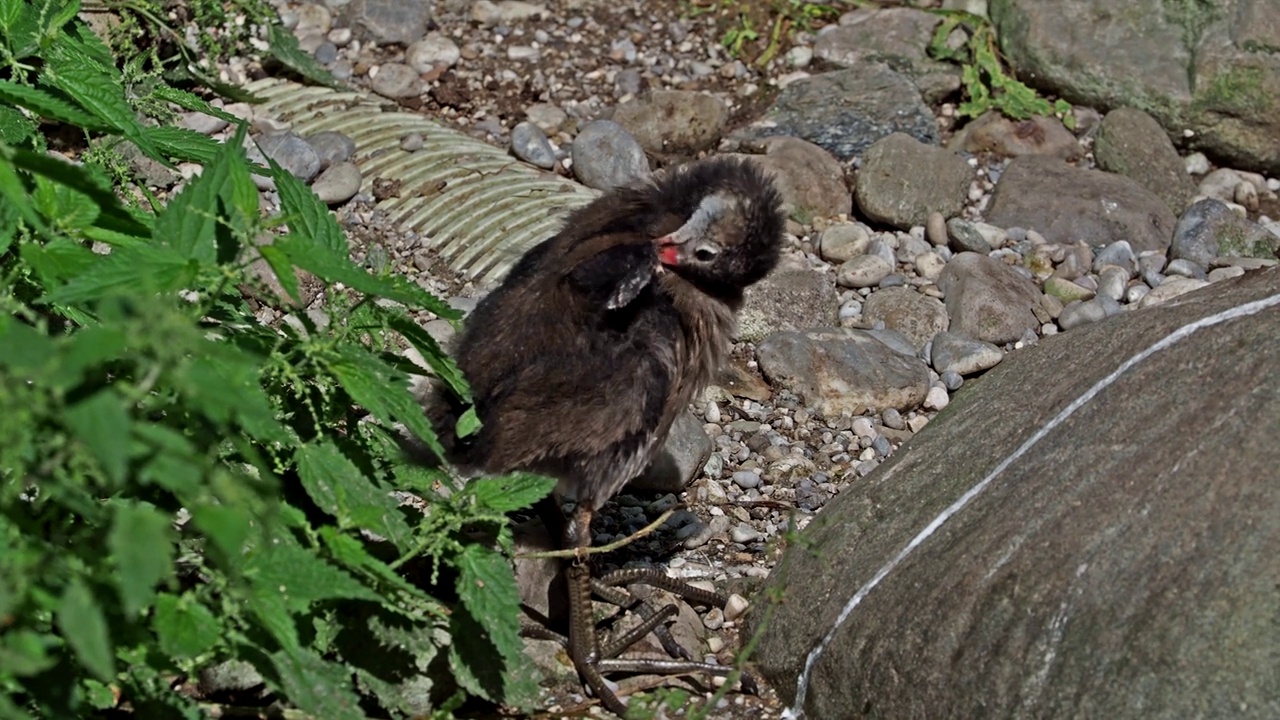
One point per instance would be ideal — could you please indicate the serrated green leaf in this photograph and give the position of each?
(141, 543)
(101, 423)
(48, 105)
(63, 12)
(487, 588)
(84, 628)
(338, 487)
(114, 215)
(56, 260)
(181, 143)
(16, 128)
(315, 686)
(468, 424)
(436, 358)
(301, 577)
(310, 222)
(96, 89)
(283, 269)
(88, 347)
(189, 223)
(284, 47)
(184, 627)
(382, 390)
(188, 101)
(10, 11)
(472, 658)
(24, 652)
(227, 527)
(143, 269)
(504, 493)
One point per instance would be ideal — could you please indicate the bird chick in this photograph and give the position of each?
(580, 361)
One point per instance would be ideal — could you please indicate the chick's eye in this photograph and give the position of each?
(704, 254)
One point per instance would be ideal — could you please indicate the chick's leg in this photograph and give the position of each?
(584, 644)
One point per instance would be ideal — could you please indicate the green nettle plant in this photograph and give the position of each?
(182, 485)
(987, 85)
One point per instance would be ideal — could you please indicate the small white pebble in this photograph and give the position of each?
(937, 398)
(713, 412)
(917, 423)
(714, 619)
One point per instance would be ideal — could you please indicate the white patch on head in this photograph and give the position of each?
(712, 208)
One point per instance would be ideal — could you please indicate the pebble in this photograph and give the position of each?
(606, 156)
(966, 237)
(863, 271)
(332, 147)
(1081, 313)
(746, 479)
(892, 419)
(1185, 268)
(842, 242)
(744, 533)
(863, 428)
(735, 607)
(935, 229)
(395, 80)
(952, 380)
(1118, 253)
(292, 153)
(433, 50)
(338, 183)
(937, 398)
(882, 446)
(530, 144)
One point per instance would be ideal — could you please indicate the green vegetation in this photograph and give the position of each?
(740, 21)
(987, 85)
(182, 485)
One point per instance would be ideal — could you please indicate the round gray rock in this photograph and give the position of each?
(810, 180)
(674, 121)
(902, 180)
(1210, 229)
(988, 300)
(1131, 143)
(838, 371)
(787, 300)
(917, 316)
(605, 156)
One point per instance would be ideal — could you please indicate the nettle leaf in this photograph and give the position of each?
(383, 391)
(339, 488)
(227, 527)
(183, 144)
(310, 222)
(301, 577)
(48, 105)
(488, 591)
(468, 424)
(96, 90)
(184, 627)
(189, 223)
(283, 269)
(141, 269)
(102, 424)
(114, 216)
(189, 101)
(141, 543)
(57, 260)
(504, 493)
(16, 128)
(436, 358)
(285, 48)
(84, 628)
(316, 686)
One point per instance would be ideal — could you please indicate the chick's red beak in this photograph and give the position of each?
(667, 251)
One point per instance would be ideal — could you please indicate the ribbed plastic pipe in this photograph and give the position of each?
(479, 207)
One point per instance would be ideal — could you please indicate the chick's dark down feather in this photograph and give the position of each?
(583, 357)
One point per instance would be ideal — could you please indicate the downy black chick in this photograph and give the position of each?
(601, 335)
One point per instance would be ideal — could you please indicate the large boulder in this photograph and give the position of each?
(1212, 68)
(1093, 530)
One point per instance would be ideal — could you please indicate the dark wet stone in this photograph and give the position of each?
(845, 111)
